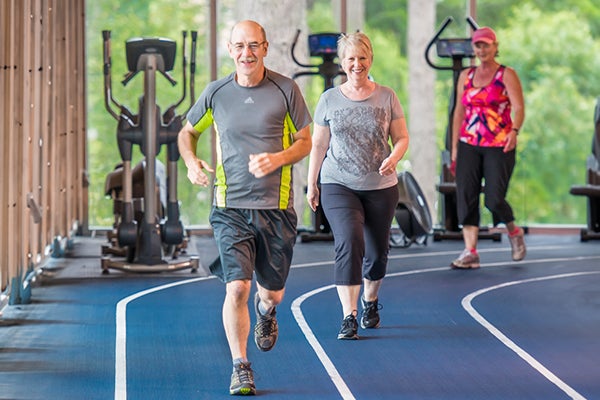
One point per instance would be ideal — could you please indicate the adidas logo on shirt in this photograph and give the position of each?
(249, 101)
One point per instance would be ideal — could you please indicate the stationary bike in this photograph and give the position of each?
(147, 224)
(591, 189)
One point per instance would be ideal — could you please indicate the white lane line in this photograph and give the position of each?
(121, 334)
(335, 376)
(333, 373)
(329, 366)
(467, 305)
(441, 253)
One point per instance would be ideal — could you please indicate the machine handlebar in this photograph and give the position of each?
(294, 55)
(109, 100)
(456, 48)
(328, 69)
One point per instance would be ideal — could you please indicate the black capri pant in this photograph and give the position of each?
(489, 164)
(360, 222)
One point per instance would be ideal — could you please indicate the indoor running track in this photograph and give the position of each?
(527, 330)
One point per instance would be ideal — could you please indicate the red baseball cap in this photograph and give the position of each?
(484, 34)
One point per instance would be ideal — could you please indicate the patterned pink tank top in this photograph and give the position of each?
(487, 120)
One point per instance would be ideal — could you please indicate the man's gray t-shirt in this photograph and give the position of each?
(251, 120)
(359, 137)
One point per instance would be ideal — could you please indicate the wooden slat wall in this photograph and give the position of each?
(42, 133)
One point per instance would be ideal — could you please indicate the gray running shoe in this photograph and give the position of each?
(242, 380)
(370, 314)
(349, 329)
(517, 244)
(265, 330)
(466, 260)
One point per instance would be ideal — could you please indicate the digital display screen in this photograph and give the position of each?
(454, 48)
(323, 44)
(135, 47)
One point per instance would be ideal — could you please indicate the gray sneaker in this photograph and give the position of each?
(517, 244)
(242, 380)
(265, 330)
(466, 260)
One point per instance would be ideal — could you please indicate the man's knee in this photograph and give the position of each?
(238, 291)
(270, 298)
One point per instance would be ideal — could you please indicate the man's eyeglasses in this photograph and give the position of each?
(253, 46)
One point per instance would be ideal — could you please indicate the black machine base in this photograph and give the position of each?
(586, 234)
(191, 263)
(484, 233)
(307, 237)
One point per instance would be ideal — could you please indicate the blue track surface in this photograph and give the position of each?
(525, 330)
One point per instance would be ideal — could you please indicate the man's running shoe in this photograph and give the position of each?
(466, 260)
(370, 314)
(349, 329)
(517, 244)
(265, 330)
(242, 380)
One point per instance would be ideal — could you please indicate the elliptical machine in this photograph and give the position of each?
(322, 45)
(141, 233)
(456, 49)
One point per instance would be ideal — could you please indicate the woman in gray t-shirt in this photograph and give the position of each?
(352, 159)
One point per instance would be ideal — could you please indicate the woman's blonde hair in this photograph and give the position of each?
(355, 40)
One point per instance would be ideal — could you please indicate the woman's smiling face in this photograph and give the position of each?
(356, 63)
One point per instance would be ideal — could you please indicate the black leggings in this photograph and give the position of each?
(360, 222)
(491, 165)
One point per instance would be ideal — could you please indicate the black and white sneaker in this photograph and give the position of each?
(349, 329)
(370, 314)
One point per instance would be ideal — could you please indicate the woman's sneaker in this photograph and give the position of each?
(370, 314)
(517, 244)
(466, 260)
(349, 329)
(242, 380)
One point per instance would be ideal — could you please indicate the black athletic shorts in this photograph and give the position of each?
(254, 241)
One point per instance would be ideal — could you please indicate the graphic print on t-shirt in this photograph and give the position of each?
(361, 148)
